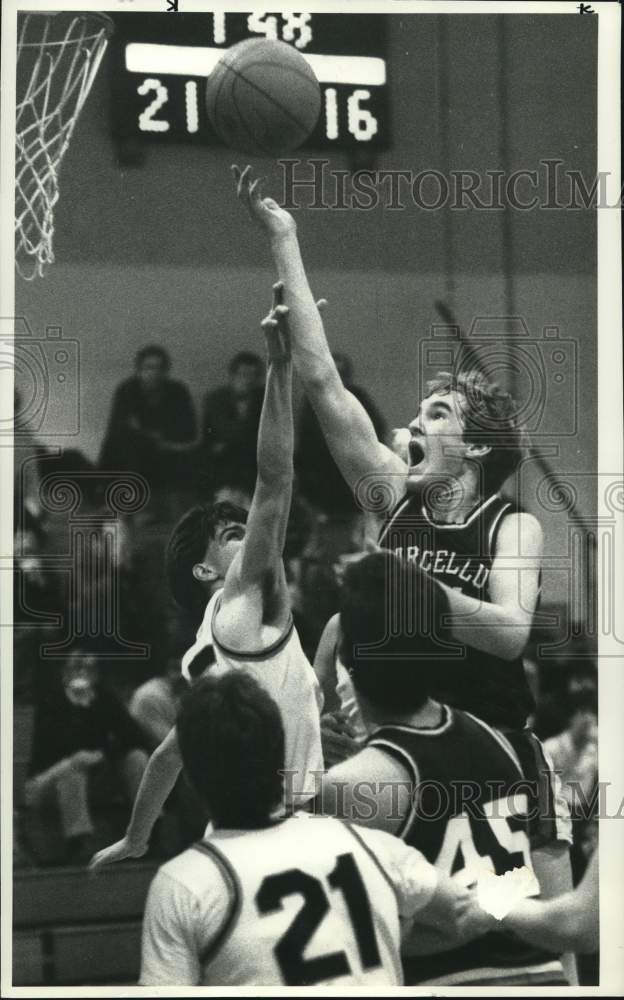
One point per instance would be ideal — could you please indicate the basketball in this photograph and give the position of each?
(263, 98)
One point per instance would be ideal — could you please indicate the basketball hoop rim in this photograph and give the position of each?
(104, 20)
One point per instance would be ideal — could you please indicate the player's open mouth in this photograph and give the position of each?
(416, 452)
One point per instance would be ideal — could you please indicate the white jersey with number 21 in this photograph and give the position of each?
(307, 901)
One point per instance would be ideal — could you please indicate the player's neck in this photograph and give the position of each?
(455, 498)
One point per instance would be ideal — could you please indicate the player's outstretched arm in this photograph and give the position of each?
(157, 783)
(325, 664)
(258, 570)
(565, 923)
(503, 626)
(348, 429)
(436, 912)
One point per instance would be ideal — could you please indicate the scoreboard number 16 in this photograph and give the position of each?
(361, 123)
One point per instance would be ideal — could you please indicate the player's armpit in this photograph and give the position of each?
(253, 597)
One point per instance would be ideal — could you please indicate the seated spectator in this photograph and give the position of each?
(574, 752)
(152, 426)
(154, 705)
(87, 752)
(230, 425)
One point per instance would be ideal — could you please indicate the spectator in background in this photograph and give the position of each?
(27, 453)
(87, 751)
(230, 425)
(152, 427)
(37, 605)
(154, 705)
(574, 752)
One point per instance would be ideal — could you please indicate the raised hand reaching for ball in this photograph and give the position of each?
(265, 211)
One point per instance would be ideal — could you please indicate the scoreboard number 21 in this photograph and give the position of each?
(361, 123)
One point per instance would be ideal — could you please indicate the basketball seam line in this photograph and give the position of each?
(269, 97)
(291, 69)
(245, 127)
(243, 121)
(216, 100)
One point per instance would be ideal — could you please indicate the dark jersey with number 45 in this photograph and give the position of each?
(469, 815)
(461, 556)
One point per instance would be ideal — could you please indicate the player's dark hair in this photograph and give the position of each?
(187, 546)
(231, 738)
(153, 351)
(244, 358)
(489, 416)
(392, 631)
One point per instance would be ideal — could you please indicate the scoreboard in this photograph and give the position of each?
(160, 63)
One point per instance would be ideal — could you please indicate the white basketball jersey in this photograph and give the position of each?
(305, 902)
(284, 671)
(348, 700)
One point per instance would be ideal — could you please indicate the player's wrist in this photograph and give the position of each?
(137, 846)
(283, 238)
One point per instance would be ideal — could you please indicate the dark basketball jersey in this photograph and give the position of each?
(469, 815)
(461, 556)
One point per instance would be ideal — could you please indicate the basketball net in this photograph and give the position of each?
(58, 56)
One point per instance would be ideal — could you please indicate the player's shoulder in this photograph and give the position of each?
(370, 764)
(476, 731)
(519, 531)
(196, 870)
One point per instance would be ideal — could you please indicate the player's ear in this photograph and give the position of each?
(204, 573)
(478, 450)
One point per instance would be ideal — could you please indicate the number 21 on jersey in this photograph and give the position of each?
(289, 950)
